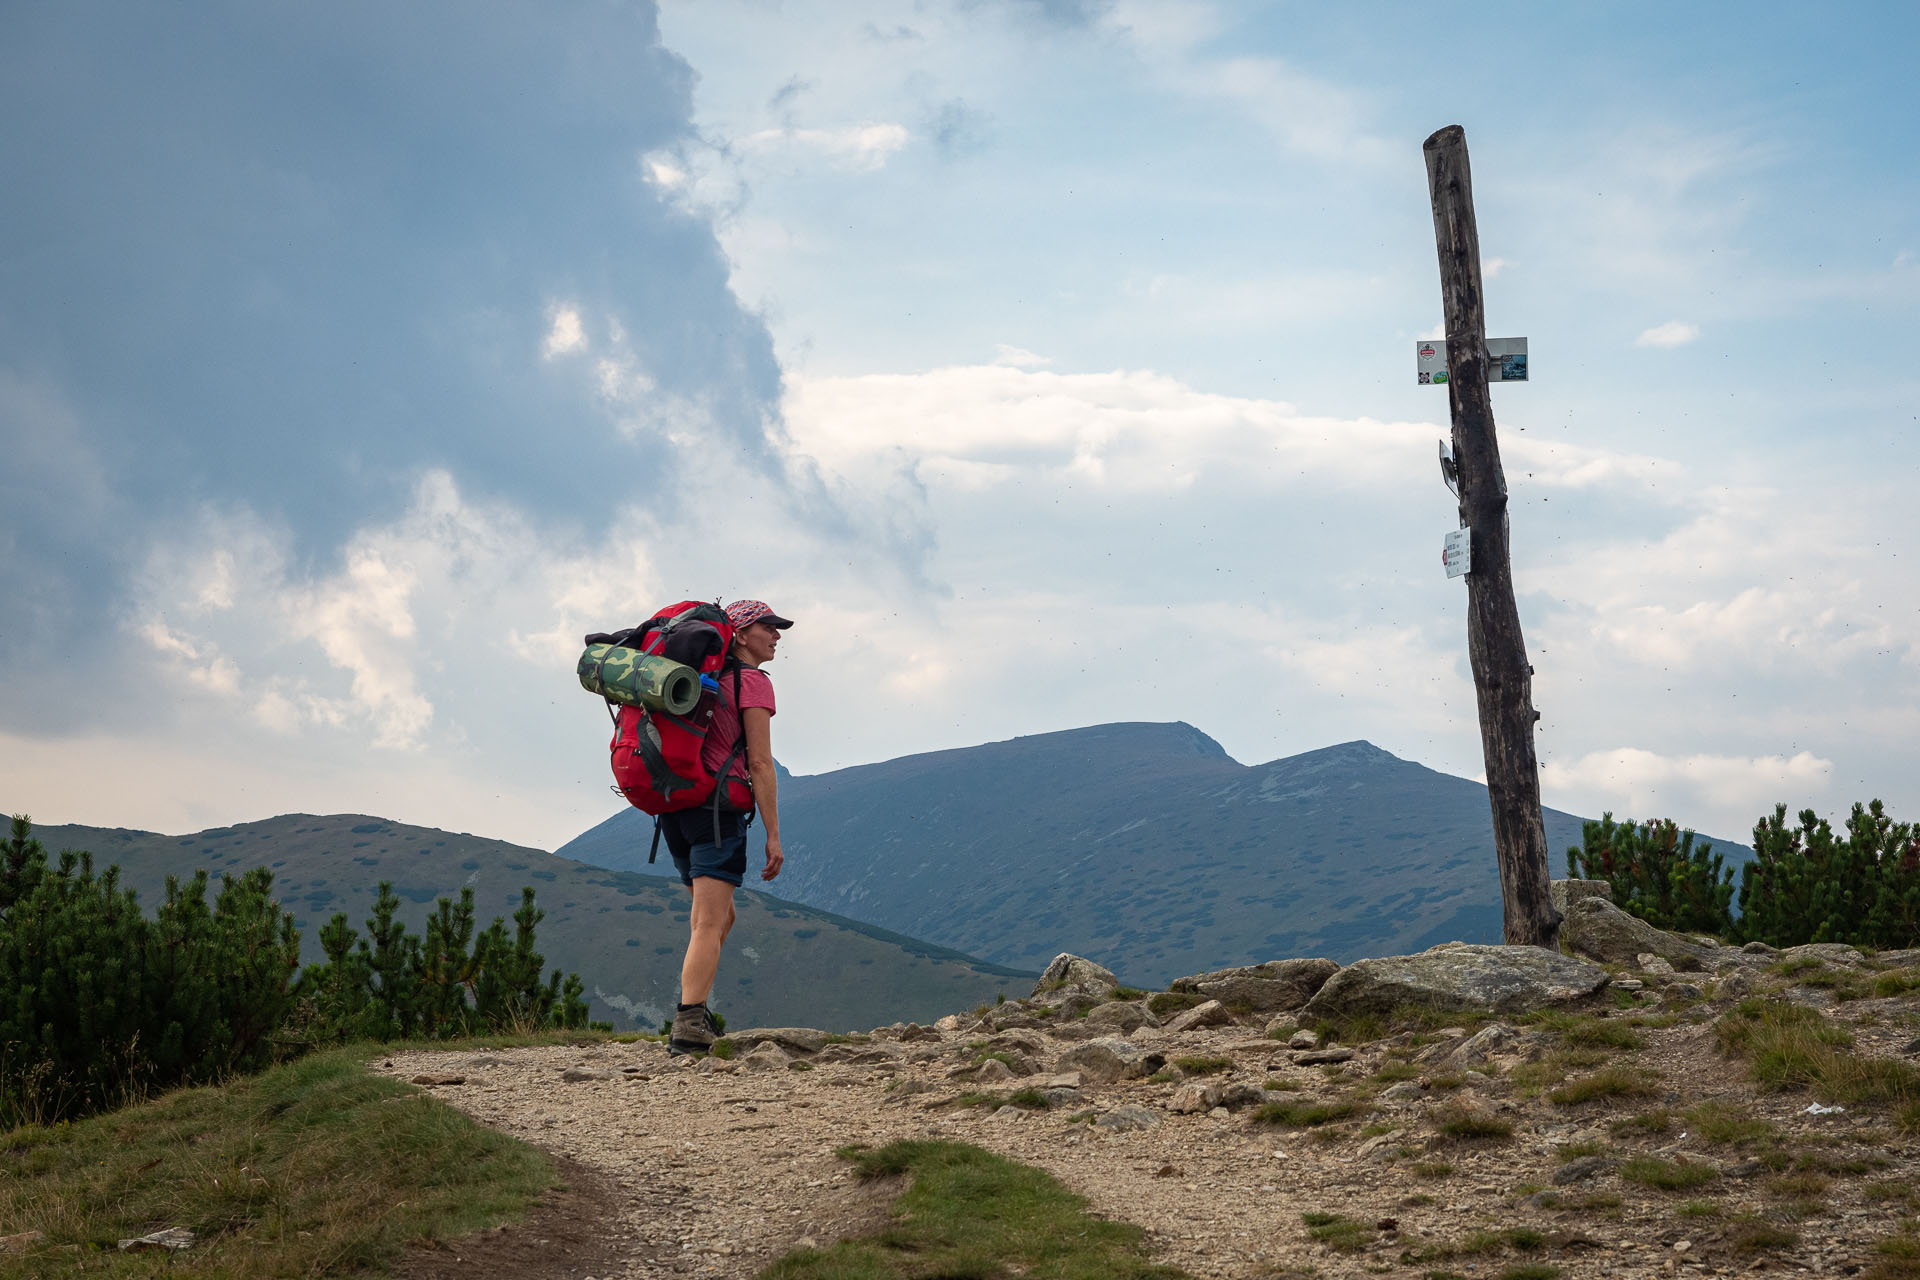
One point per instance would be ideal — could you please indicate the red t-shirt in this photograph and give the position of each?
(755, 691)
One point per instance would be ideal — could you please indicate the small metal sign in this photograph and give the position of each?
(1457, 554)
(1506, 360)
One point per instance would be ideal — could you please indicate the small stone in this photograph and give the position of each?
(21, 1242)
(768, 1057)
(1166, 1171)
(436, 1078)
(1405, 1091)
(1219, 1113)
(1061, 1080)
(579, 1075)
(1320, 1057)
(1629, 984)
(1210, 1014)
(1007, 1113)
(1579, 1170)
(1376, 1143)
(171, 1238)
(1303, 1039)
(808, 1242)
(1650, 963)
(1681, 1246)
(992, 1071)
(1126, 1119)
(1911, 1046)
(1190, 1099)
(1242, 1094)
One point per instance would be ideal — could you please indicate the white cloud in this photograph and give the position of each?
(1018, 357)
(1307, 113)
(1674, 333)
(859, 147)
(1643, 784)
(1121, 431)
(565, 335)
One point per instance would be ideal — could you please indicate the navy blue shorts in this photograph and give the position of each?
(689, 837)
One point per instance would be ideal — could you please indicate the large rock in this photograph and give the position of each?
(1122, 1016)
(1458, 978)
(1826, 952)
(1598, 930)
(800, 1040)
(1071, 975)
(1106, 1060)
(1564, 893)
(1261, 988)
(1211, 1013)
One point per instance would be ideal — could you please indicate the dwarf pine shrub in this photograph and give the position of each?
(101, 1003)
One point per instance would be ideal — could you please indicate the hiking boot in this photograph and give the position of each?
(693, 1031)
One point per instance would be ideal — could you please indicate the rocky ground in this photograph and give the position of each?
(1581, 1121)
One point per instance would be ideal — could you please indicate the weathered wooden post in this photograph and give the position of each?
(1502, 678)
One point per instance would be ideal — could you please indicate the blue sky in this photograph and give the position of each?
(1050, 362)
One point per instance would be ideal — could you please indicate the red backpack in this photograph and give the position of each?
(656, 754)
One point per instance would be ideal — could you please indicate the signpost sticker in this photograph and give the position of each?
(1506, 361)
(1457, 554)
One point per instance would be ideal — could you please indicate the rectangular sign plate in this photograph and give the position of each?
(1506, 360)
(1457, 555)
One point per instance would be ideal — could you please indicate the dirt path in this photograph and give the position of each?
(716, 1169)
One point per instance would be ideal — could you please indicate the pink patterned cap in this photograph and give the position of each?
(744, 613)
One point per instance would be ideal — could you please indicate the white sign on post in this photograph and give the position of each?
(1457, 555)
(1506, 360)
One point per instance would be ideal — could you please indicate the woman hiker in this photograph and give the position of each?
(714, 870)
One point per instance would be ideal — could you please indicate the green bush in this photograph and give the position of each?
(1657, 873)
(99, 1004)
(448, 983)
(1807, 885)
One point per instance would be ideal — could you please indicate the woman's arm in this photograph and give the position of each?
(757, 722)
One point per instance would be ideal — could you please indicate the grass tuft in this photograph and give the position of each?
(970, 1213)
(315, 1167)
(1204, 1066)
(1341, 1234)
(1667, 1175)
(1794, 1047)
(1608, 1082)
(1469, 1123)
(1305, 1115)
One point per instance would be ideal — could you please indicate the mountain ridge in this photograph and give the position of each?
(1143, 845)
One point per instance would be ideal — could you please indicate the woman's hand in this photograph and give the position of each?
(775, 859)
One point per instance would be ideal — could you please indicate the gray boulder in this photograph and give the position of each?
(1459, 978)
(1827, 952)
(1106, 1060)
(1070, 975)
(1262, 988)
(1564, 893)
(767, 1056)
(1122, 1016)
(1598, 930)
(1210, 1014)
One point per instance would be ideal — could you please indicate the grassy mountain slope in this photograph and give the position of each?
(1144, 846)
(625, 934)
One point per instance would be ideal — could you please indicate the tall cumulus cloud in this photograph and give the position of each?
(285, 260)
